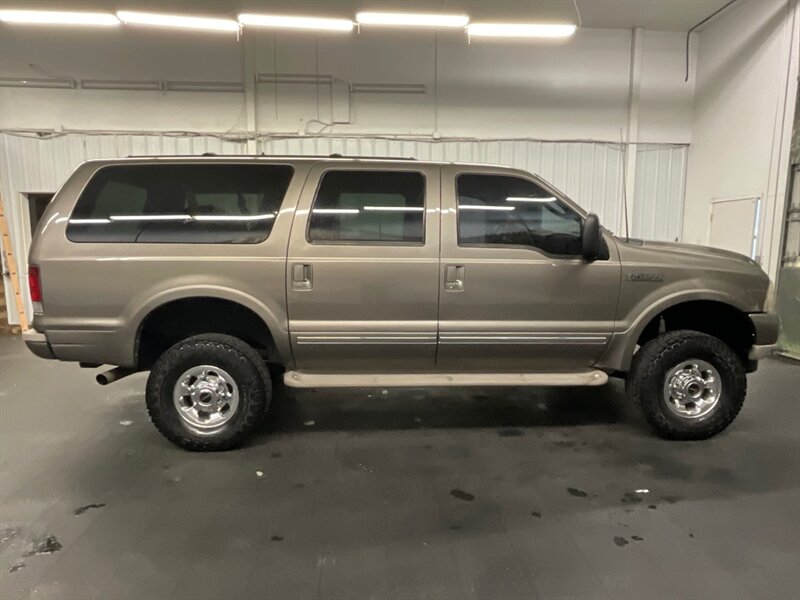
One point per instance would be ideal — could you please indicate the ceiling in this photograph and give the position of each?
(665, 15)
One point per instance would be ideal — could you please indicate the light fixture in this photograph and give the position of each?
(484, 207)
(178, 21)
(57, 17)
(538, 200)
(411, 19)
(289, 22)
(521, 30)
(336, 211)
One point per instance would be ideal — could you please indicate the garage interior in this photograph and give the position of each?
(671, 120)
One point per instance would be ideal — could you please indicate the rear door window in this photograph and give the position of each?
(180, 203)
(369, 207)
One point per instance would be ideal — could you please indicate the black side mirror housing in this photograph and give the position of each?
(591, 238)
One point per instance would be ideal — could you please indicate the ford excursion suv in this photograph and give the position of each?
(215, 274)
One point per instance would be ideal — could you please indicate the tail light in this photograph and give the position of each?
(34, 283)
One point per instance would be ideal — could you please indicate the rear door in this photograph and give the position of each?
(363, 268)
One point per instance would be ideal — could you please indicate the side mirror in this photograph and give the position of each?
(591, 238)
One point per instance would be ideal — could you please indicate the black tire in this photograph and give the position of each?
(239, 360)
(653, 362)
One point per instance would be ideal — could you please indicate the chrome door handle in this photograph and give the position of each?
(302, 276)
(454, 278)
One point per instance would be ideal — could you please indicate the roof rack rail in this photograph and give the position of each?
(337, 155)
(263, 155)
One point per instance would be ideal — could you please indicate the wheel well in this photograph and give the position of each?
(721, 320)
(177, 320)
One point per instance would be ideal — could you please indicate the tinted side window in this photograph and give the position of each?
(190, 204)
(504, 210)
(369, 206)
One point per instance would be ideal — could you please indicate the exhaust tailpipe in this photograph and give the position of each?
(113, 375)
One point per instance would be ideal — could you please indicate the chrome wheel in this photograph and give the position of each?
(692, 389)
(206, 398)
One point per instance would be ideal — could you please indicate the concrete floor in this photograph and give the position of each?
(510, 493)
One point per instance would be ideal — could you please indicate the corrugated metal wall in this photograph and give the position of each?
(657, 208)
(588, 172)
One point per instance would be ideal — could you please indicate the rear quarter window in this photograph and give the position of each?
(180, 203)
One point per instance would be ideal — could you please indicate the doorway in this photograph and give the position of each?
(734, 224)
(31, 208)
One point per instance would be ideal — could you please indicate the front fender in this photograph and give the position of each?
(619, 354)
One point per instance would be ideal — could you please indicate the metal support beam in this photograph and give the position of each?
(249, 74)
(632, 128)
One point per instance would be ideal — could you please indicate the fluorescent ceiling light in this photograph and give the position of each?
(484, 207)
(540, 200)
(287, 22)
(395, 208)
(179, 21)
(524, 30)
(336, 211)
(55, 17)
(411, 19)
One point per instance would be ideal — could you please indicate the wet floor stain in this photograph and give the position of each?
(510, 432)
(299, 486)
(45, 545)
(536, 513)
(16, 567)
(455, 528)
(8, 534)
(276, 455)
(652, 507)
(631, 498)
(82, 509)
(462, 495)
(577, 493)
(277, 538)
(671, 499)
(637, 538)
(564, 444)
(620, 541)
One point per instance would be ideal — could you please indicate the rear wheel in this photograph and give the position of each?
(689, 385)
(208, 392)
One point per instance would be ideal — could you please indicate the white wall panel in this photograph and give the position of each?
(657, 207)
(588, 172)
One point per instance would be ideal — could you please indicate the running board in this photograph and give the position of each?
(304, 379)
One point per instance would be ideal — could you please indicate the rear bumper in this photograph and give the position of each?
(766, 327)
(38, 344)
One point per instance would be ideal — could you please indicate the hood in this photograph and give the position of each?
(689, 250)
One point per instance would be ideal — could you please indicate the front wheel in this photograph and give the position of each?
(208, 392)
(689, 385)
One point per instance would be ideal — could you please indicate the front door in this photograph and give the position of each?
(516, 296)
(363, 268)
